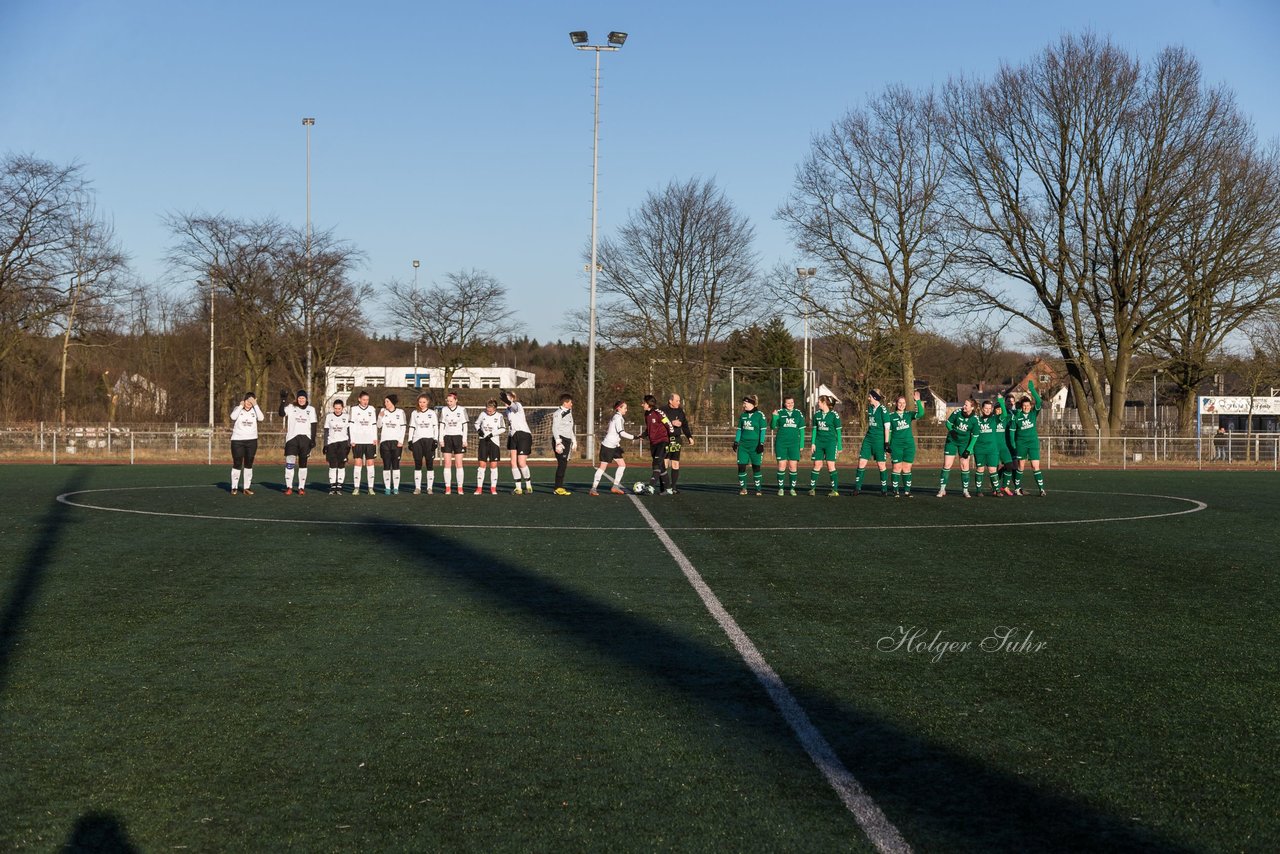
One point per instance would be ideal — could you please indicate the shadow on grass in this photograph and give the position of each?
(25, 587)
(99, 833)
(938, 796)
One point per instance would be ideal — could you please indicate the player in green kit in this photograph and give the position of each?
(902, 442)
(825, 444)
(748, 441)
(1008, 461)
(986, 449)
(962, 432)
(873, 443)
(1026, 439)
(788, 440)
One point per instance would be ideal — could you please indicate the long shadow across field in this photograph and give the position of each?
(950, 800)
(26, 584)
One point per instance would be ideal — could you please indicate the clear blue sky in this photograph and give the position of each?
(460, 133)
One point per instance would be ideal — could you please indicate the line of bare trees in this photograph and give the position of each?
(1122, 210)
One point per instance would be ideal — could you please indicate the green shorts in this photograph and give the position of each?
(902, 453)
(1005, 452)
(824, 453)
(1028, 450)
(952, 449)
(872, 448)
(987, 457)
(786, 452)
(747, 456)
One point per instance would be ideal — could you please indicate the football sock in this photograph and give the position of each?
(524, 470)
(395, 479)
(964, 479)
(235, 479)
(302, 478)
(884, 485)
(1039, 479)
(595, 482)
(793, 478)
(417, 478)
(742, 476)
(448, 478)
(480, 478)
(857, 480)
(813, 479)
(906, 482)
(493, 478)
(462, 475)
(675, 477)
(1017, 481)
(894, 479)
(944, 477)
(782, 478)
(288, 477)
(355, 477)
(248, 478)
(431, 479)
(386, 479)
(617, 476)
(515, 473)
(835, 481)
(757, 476)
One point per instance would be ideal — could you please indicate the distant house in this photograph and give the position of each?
(1049, 385)
(935, 405)
(138, 395)
(343, 381)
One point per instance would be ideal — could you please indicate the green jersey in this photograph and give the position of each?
(826, 430)
(1024, 423)
(876, 416)
(899, 424)
(788, 428)
(751, 429)
(990, 431)
(962, 432)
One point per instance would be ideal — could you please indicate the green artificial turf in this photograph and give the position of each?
(535, 673)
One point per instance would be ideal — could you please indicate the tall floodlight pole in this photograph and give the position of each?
(579, 40)
(416, 265)
(308, 123)
(211, 303)
(806, 273)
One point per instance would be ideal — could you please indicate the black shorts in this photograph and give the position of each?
(487, 451)
(300, 447)
(521, 443)
(242, 452)
(336, 453)
(424, 451)
(364, 451)
(658, 451)
(673, 452)
(608, 455)
(391, 451)
(452, 445)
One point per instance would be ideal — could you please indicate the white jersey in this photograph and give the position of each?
(364, 425)
(516, 418)
(423, 425)
(336, 428)
(616, 433)
(490, 426)
(244, 423)
(391, 422)
(453, 422)
(562, 424)
(298, 421)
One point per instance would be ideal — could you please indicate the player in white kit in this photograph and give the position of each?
(299, 438)
(364, 439)
(244, 441)
(490, 426)
(391, 424)
(424, 438)
(337, 445)
(519, 442)
(611, 450)
(453, 439)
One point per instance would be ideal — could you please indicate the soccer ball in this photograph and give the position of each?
(642, 488)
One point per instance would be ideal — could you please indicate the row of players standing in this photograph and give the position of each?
(366, 433)
(997, 442)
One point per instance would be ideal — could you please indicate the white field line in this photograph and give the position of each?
(882, 833)
(65, 498)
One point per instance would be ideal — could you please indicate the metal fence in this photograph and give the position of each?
(179, 443)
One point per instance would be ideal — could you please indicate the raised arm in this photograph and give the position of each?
(1035, 396)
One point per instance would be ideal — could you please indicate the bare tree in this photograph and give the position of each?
(1226, 263)
(679, 276)
(868, 203)
(453, 320)
(1074, 172)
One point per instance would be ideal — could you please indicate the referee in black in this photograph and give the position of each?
(679, 433)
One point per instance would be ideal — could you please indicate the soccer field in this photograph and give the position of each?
(538, 673)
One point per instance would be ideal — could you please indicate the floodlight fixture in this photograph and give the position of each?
(617, 38)
(578, 37)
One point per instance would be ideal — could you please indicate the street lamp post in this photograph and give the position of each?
(308, 123)
(806, 273)
(579, 40)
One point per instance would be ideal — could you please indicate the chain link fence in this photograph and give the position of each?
(179, 443)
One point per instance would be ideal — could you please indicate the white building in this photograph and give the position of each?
(342, 380)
